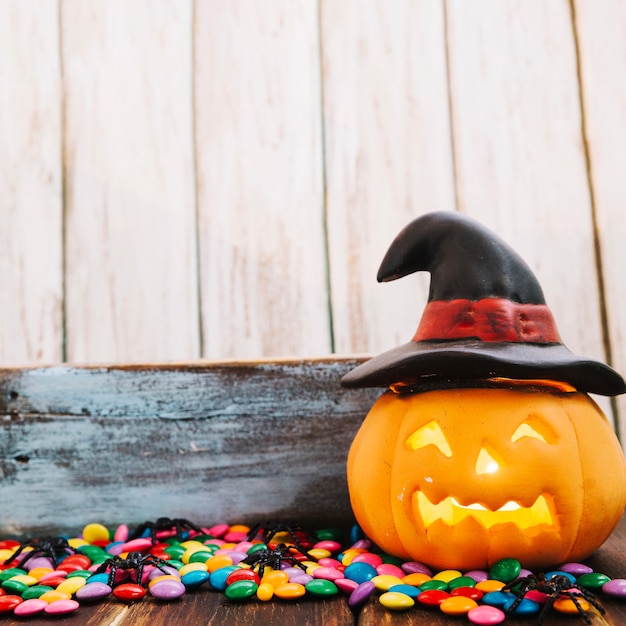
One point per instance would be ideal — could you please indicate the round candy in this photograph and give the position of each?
(384, 581)
(30, 607)
(265, 592)
(368, 557)
(328, 573)
(576, 568)
(523, 609)
(505, 570)
(167, 589)
(457, 605)
(61, 607)
(95, 532)
(593, 581)
(322, 587)
(9, 602)
(396, 601)
(345, 585)
(468, 592)
(615, 588)
(498, 598)
(218, 578)
(461, 581)
(360, 572)
(194, 578)
(447, 575)
(486, 615)
(413, 567)
(439, 585)
(289, 591)
(241, 590)
(390, 569)
(129, 592)
(432, 597)
(93, 591)
(566, 605)
(36, 591)
(570, 577)
(477, 575)
(407, 590)
(361, 593)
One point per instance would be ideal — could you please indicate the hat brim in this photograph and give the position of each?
(431, 363)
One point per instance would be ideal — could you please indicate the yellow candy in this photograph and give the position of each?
(289, 591)
(566, 605)
(72, 585)
(218, 561)
(38, 572)
(95, 532)
(192, 550)
(27, 579)
(349, 554)
(265, 592)
(157, 579)
(275, 578)
(319, 553)
(76, 542)
(416, 579)
(54, 595)
(396, 601)
(191, 567)
(489, 585)
(447, 575)
(383, 582)
(311, 567)
(457, 605)
(6, 554)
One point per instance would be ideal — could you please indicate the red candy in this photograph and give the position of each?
(243, 574)
(129, 592)
(432, 597)
(9, 602)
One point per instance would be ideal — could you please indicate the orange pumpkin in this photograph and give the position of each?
(462, 477)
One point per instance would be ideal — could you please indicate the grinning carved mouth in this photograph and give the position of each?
(451, 512)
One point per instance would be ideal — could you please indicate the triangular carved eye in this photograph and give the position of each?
(429, 434)
(534, 428)
(486, 462)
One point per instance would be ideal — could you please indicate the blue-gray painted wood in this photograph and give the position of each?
(209, 442)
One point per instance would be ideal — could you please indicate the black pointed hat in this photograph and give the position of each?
(486, 316)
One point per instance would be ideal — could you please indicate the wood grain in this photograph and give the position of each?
(260, 188)
(387, 157)
(518, 141)
(211, 442)
(31, 283)
(601, 32)
(130, 204)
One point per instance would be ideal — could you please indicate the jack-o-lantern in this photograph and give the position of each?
(487, 445)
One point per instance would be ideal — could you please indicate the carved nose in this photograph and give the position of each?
(485, 463)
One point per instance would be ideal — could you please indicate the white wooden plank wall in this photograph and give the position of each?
(184, 179)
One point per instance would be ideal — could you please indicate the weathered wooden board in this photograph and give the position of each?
(208, 442)
(260, 187)
(601, 31)
(518, 144)
(388, 156)
(131, 258)
(31, 283)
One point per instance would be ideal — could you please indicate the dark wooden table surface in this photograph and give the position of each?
(209, 607)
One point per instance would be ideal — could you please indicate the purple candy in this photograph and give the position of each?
(577, 569)
(412, 567)
(302, 578)
(166, 569)
(93, 591)
(361, 593)
(615, 588)
(477, 575)
(168, 589)
(524, 573)
(38, 561)
(364, 544)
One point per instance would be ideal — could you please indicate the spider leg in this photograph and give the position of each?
(16, 554)
(574, 599)
(30, 554)
(139, 574)
(587, 595)
(112, 573)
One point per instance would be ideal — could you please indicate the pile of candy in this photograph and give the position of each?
(54, 575)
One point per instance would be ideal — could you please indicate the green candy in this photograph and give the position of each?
(439, 585)
(35, 591)
(241, 590)
(14, 586)
(10, 572)
(201, 556)
(329, 534)
(592, 580)
(461, 581)
(321, 587)
(79, 573)
(175, 551)
(505, 570)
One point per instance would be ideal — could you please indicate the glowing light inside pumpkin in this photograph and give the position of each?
(451, 512)
(486, 463)
(430, 434)
(526, 430)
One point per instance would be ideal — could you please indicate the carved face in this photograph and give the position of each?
(461, 478)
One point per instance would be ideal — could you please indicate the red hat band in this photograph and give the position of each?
(489, 319)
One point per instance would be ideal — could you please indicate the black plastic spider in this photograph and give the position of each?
(300, 537)
(555, 588)
(179, 525)
(52, 547)
(274, 558)
(134, 560)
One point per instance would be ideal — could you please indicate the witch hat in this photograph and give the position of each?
(486, 316)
